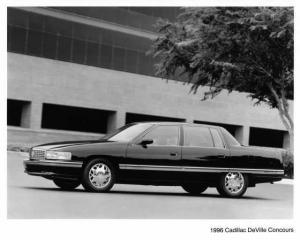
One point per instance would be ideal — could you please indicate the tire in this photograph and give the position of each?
(98, 176)
(66, 184)
(194, 189)
(233, 184)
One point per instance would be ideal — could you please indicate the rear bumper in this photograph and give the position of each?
(53, 169)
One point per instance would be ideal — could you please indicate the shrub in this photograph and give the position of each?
(288, 164)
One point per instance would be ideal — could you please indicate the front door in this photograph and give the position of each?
(156, 160)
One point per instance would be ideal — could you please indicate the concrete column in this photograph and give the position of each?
(189, 119)
(242, 134)
(116, 120)
(286, 140)
(35, 117)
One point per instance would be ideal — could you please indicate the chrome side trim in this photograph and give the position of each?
(199, 169)
(54, 163)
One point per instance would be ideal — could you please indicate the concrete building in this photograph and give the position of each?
(78, 73)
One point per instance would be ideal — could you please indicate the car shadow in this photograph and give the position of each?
(53, 189)
(178, 194)
(203, 195)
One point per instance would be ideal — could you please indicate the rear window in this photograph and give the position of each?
(229, 138)
(217, 138)
(197, 137)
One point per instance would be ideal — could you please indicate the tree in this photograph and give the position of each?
(233, 48)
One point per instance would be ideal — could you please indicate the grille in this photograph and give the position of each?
(37, 154)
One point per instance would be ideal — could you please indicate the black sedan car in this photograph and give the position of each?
(193, 156)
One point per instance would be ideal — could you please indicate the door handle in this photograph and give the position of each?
(173, 154)
(221, 156)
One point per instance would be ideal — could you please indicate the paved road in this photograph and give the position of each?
(35, 197)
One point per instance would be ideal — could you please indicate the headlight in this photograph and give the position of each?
(58, 155)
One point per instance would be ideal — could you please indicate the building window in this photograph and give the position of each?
(142, 63)
(118, 58)
(18, 39)
(78, 51)
(80, 119)
(49, 46)
(53, 38)
(17, 17)
(64, 49)
(229, 127)
(135, 117)
(92, 54)
(131, 61)
(18, 113)
(266, 137)
(34, 46)
(106, 56)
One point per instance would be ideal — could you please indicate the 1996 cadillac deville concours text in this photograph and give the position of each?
(193, 156)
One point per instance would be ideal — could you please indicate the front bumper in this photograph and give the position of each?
(54, 168)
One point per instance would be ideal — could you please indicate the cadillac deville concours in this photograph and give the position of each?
(193, 156)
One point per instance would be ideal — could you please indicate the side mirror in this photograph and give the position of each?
(145, 142)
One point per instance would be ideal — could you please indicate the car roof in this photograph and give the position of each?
(178, 123)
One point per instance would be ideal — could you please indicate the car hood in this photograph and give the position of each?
(56, 145)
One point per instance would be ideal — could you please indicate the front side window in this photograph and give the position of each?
(164, 136)
(197, 137)
(127, 133)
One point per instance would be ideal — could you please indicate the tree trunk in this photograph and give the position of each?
(288, 157)
(283, 109)
(289, 125)
(291, 135)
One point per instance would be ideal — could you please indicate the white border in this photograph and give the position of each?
(132, 229)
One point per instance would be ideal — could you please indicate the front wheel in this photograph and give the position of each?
(98, 176)
(194, 189)
(233, 184)
(66, 184)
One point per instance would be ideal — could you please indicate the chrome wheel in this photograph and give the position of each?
(234, 182)
(100, 175)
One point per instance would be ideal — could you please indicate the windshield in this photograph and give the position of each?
(127, 132)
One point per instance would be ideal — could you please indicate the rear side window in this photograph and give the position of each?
(217, 138)
(197, 137)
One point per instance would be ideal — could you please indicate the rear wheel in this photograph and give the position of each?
(98, 176)
(66, 184)
(233, 184)
(194, 189)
